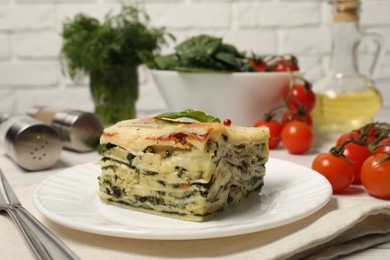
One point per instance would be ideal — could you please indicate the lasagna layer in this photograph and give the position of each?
(185, 171)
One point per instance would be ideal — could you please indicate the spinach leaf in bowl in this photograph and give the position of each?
(202, 53)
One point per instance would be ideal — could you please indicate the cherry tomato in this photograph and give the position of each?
(355, 135)
(383, 146)
(275, 130)
(300, 116)
(371, 132)
(336, 169)
(375, 175)
(297, 137)
(284, 65)
(368, 133)
(300, 95)
(357, 154)
(259, 66)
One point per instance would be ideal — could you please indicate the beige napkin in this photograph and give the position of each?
(346, 224)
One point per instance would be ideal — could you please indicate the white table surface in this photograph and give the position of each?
(18, 177)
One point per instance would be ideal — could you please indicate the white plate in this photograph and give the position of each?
(291, 192)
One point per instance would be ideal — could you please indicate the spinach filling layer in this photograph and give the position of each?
(155, 180)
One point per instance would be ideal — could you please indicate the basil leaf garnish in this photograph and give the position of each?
(191, 114)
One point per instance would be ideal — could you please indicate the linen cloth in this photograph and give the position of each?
(347, 223)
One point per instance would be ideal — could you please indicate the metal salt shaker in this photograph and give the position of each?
(80, 131)
(30, 143)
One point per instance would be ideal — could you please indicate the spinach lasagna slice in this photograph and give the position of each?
(188, 171)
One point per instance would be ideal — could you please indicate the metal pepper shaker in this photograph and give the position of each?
(80, 131)
(30, 143)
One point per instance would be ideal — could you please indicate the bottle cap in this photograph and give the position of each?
(345, 10)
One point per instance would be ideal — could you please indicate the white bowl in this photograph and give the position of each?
(242, 97)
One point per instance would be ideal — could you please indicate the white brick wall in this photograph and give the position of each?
(29, 44)
(285, 14)
(4, 46)
(30, 41)
(19, 17)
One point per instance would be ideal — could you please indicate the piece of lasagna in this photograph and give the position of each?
(188, 171)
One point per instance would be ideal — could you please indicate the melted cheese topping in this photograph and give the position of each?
(136, 135)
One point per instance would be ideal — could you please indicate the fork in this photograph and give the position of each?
(44, 244)
(32, 240)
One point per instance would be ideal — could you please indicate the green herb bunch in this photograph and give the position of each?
(120, 40)
(202, 53)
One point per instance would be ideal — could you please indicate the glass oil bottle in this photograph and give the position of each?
(345, 98)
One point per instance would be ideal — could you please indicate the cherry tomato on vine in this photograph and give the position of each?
(354, 135)
(300, 95)
(371, 132)
(259, 66)
(300, 116)
(357, 154)
(275, 129)
(297, 137)
(375, 175)
(283, 65)
(383, 146)
(336, 169)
